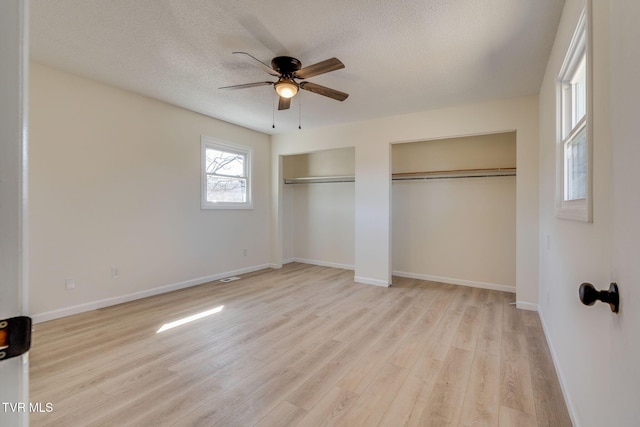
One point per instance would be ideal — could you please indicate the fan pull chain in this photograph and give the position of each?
(273, 111)
(299, 111)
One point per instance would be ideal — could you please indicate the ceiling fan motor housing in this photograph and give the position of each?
(286, 65)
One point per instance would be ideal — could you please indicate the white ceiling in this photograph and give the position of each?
(401, 56)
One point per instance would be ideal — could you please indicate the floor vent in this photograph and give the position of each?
(229, 279)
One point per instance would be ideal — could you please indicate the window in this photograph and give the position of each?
(226, 175)
(573, 192)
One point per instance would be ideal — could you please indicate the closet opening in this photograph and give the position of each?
(319, 208)
(454, 210)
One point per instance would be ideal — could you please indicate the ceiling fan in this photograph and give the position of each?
(288, 69)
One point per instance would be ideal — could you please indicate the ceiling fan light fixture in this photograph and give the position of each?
(286, 88)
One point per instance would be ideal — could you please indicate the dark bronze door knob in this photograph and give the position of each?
(589, 295)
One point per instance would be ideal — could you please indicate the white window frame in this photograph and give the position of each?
(579, 209)
(208, 142)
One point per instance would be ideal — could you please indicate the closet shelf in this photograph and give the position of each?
(320, 179)
(459, 173)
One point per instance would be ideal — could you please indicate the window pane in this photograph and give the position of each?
(576, 166)
(224, 163)
(221, 189)
(579, 92)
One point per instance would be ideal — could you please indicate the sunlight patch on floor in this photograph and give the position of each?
(189, 319)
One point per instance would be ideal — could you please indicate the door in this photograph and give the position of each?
(625, 111)
(13, 121)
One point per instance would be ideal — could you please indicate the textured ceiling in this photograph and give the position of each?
(401, 56)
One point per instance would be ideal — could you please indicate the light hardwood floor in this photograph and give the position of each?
(303, 346)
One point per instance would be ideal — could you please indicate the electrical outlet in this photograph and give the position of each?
(115, 272)
(244, 252)
(69, 284)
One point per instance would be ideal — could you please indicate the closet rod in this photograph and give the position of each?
(459, 173)
(450, 174)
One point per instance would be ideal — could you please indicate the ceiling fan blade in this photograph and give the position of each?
(255, 61)
(244, 86)
(325, 66)
(284, 103)
(325, 91)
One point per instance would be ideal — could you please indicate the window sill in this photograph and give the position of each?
(227, 206)
(574, 211)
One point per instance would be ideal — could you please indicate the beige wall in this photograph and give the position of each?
(462, 230)
(323, 223)
(115, 181)
(372, 141)
(338, 162)
(471, 152)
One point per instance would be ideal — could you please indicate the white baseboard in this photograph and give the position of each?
(321, 263)
(94, 305)
(453, 281)
(526, 306)
(567, 398)
(368, 281)
(357, 279)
